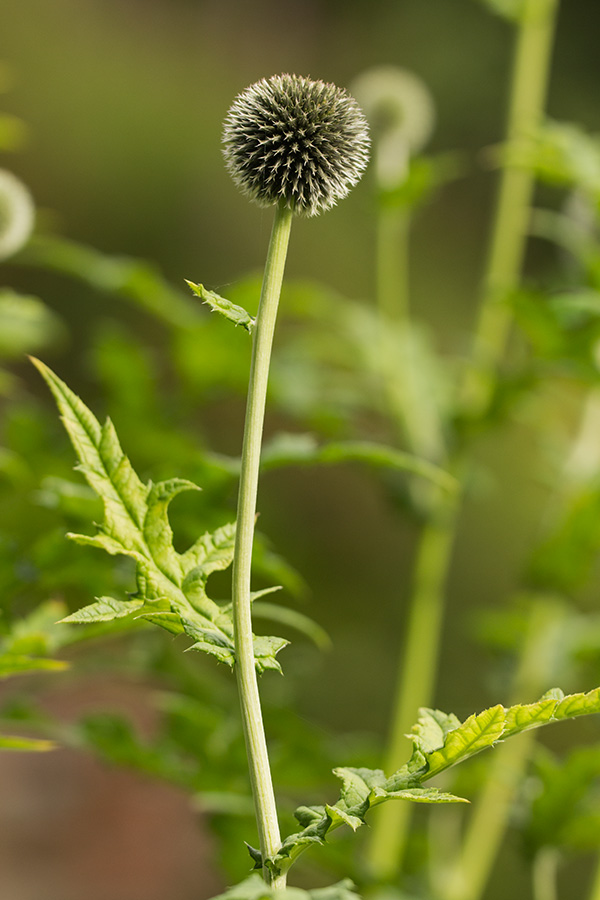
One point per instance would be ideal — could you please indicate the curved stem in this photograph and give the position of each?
(256, 745)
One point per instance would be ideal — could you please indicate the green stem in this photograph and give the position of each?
(507, 250)
(416, 679)
(403, 381)
(545, 865)
(254, 733)
(595, 891)
(393, 227)
(417, 676)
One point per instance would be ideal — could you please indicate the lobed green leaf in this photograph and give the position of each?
(171, 586)
(475, 734)
(105, 609)
(440, 741)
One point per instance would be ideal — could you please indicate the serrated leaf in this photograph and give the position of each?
(419, 795)
(522, 717)
(309, 815)
(265, 649)
(497, 723)
(339, 816)
(357, 785)
(213, 551)
(170, 585)
(225, 308)
(475, 734)
(157, 530)
(105, 609)
(441, 741)
(578, 705)
(430, 731)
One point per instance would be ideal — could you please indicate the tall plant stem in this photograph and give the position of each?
(254, 733)
(545, 865)
(402, 382)
(416, 679)
(393, 226)
(532, 66)
(507, 249)
(595, 891)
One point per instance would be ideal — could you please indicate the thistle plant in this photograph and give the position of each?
(298, 145)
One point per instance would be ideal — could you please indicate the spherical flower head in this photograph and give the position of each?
(293, 140)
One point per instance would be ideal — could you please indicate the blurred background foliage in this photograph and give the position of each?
(111, 115)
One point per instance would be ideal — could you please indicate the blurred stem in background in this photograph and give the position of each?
(545, 866)
(393, 229)
(420, 656)
(529, 87)
(595, 891)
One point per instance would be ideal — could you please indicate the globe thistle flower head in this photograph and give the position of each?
(293, 140)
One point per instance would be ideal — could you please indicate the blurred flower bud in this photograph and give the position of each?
(401, 114)
(17, 214)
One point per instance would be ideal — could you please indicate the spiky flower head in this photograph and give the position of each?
(293, 140)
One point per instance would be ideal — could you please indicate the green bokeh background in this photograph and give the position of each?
(124, 101)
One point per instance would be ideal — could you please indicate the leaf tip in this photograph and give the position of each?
(40, 366)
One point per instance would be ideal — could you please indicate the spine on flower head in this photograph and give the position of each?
(288, 139)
